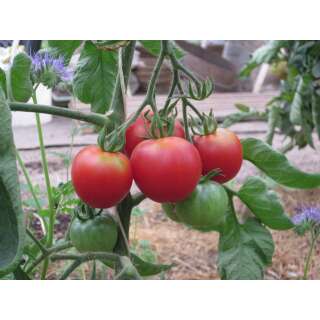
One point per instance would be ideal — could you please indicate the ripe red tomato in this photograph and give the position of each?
(166, 169)
(220, 150)
(101, 179)
(137, 132)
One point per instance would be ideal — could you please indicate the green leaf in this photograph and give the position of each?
(316, 113)
(154, 47)
(244, 250)
(263, 54)
(11, 215)
(95, 77)
(3, 81)
(242, 107)
(64, 48)
(240, 116)
(264, 204)
(147, 269)
(20, 78)
(273, 120)
(296, 105)
(275, 165)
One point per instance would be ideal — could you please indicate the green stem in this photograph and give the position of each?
(117, 103)
(150, 96)
(185, 121)
(176, 64)
(171, 92)
(36, 241)
(124, 213)
(309, 258)
(81, 258)
(49, 237)
(28, 180)
(89, 117)
(57, 248)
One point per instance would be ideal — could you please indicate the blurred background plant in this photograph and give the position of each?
(295, 112)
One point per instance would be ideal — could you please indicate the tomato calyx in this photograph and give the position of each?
(114, 142)
(84, 212)
(211, 174)
(208, 124)
(159, 124)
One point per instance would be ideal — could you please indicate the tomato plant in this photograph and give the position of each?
(295, 112)
(166, 167)
(101, 179)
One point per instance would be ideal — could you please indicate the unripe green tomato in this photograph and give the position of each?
(93, 235)
(205, 209)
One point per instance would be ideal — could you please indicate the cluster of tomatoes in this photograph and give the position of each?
(167, 170)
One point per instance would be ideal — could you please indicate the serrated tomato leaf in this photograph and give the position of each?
(11, 216)
(95, 77)
(20, 78)
(275, 165)
(264, 204)
(147, 269)
(244, 250)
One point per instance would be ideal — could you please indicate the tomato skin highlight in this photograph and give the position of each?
(220, 150)
(166, 169)
(137, 133)
(94, 235)
(205, 209)
(101, 179)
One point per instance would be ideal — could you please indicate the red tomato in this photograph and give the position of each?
(137, 133)
(166, 169)
(220, 150)
(101, 179)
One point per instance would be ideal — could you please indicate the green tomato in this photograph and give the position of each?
(92, 235)
(205, 209)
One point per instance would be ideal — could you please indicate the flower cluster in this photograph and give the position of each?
(307, 218)
(307, 214)
(49, 70)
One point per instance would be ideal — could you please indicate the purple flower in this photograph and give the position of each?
(49, 70)
(307, 214)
